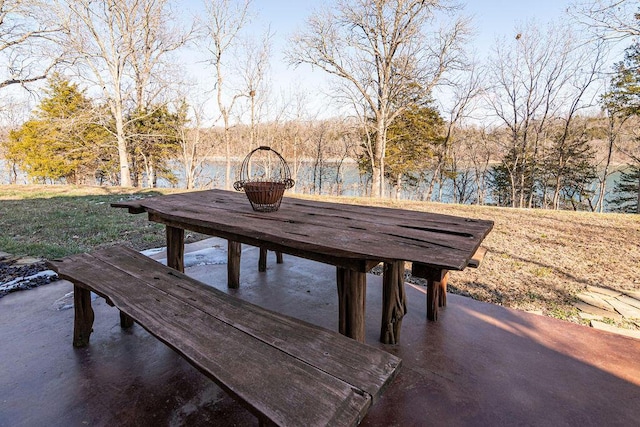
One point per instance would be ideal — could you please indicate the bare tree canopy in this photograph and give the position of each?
(224, 21)
(544, 75)
(120, 46)
(611, 19)
(386, 51)
(28, 35)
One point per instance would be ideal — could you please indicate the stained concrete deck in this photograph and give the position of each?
(480, 364)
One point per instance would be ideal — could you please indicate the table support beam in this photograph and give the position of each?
(352, 290)
(234, 252)
(175, 248)
(394, 302)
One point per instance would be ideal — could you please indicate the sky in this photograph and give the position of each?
(491, 19)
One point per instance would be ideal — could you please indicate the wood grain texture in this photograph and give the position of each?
(234, 253)
(84, 316)
(352, 291)
(340, 234)
(175, 248)
(394, 302)
(287, 371)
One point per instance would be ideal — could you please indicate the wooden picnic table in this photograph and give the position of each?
(354, 238)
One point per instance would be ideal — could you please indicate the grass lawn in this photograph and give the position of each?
(537, 259)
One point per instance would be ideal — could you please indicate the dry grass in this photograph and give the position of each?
(537, 260)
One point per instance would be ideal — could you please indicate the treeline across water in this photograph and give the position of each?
(346, 179)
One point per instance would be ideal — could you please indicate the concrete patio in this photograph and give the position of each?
(480, 364)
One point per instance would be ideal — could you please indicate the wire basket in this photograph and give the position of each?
(264, 178)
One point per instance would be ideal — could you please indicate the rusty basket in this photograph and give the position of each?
(263, 178)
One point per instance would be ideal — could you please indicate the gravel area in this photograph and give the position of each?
(16, 276)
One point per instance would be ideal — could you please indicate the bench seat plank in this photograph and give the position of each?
(288, 372)
(353, 362)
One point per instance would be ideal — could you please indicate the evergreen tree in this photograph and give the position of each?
(623, 102)
(567, 168)
(411, 142)
(61, 142)
(627, 191)
(624, 95)
(153, 141)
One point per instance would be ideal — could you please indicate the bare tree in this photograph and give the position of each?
(478, 148)
(122, 43)
(29, 37)
(610, 19)
(253, 70)
(225, 20)
(152, 72)
(569, 148)
(194, 147)
(464, 89)
(381, 49)
(155, 40)
(534, 82)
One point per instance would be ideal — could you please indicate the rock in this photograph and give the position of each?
(16, 276)
(603, 291)
(610, 328)
(595, 300)
(595, 311)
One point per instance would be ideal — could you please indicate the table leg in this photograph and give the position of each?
(442, 293)
(352, 287)
(262, 261)
(394, 302)
(175, 248)
(434, 290)
(126, 321)
(234, 250)
(436, 287)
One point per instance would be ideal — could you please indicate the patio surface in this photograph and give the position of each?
(480, 364)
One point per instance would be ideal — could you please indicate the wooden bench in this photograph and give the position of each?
(285, 371)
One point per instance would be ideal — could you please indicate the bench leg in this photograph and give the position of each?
(234, 251)
(175, 248)
(279, 259)
(394, 302)
(352, 287)
(83, 320)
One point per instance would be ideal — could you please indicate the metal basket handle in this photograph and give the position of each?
(238, 185)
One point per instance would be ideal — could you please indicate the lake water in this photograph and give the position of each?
(330, 179)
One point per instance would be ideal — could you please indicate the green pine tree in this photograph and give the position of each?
(626, 191)
(61, 142)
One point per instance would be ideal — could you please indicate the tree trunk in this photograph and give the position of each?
(603, 181)
(123, 155)
(227, 147)
(377, 163)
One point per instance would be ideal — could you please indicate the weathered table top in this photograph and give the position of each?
(350, 236)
